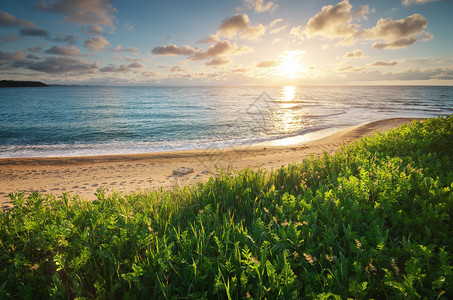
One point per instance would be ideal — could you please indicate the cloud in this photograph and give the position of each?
(122, 68)
(128, 26)
(269, 63)
(380, 63)
(350, 68)
(218, 61)
(8, 20)
(35, 32)
(277, 30)
(12, 56)
(58, 50)
(297, 32)
(31, 56)
(416, 74)
(273, 23)
(335, 22)
(260, 7)
(10, 38)
(132, 59)
(171, 49)
(216, 55)
(273, 29)
(241, 70)
(36, 49)
(398, 34)
(240, 24)
(131, 50)
(65, 38)
(232, 26)
(409, 2)
(355, 53)
(220, 49)
(401, 43)
(96, 43)
(253, 32)
(63, 64)
(177, 69)
(94, 13)
(148, 74)
(361, 12)
(212, 39)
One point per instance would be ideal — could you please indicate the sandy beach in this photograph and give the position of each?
(132, 172)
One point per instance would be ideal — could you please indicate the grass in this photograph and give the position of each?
(372, 221)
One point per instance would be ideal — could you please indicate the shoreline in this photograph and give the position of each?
(83, 175)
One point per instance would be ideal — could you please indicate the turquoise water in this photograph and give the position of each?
(73, 121)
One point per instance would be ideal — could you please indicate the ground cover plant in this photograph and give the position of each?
(371, 221)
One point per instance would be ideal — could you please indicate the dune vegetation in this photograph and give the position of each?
(373, 220)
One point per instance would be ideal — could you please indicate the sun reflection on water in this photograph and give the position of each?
(286, 112)
(288, 93)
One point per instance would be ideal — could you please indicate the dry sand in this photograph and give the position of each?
(127, 173)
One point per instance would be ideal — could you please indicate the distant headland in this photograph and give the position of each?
(14, 83)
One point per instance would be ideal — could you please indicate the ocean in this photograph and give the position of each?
(78, 121)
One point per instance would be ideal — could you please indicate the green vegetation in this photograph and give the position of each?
(372, 221)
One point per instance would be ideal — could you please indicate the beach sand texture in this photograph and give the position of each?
(133, 172)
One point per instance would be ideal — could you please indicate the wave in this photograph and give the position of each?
(80, 149)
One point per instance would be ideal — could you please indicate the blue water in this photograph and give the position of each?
(73, 121)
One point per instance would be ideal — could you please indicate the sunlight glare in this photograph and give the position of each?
(290, 66)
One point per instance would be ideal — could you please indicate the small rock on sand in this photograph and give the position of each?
(182, 171)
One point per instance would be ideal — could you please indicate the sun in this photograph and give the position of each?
(291, 65)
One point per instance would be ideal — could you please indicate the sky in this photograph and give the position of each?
(223, 43)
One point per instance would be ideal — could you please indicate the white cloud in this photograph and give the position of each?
(380, 63)
(218, 61)
(217, 54)
(409, 2)
(220, 49)
(35, 49)
(239, 24)
(177, 69)
(10, 38)
(94, 13)
(269, 63)
(128, 26)
(131, 50)
(398, 34)
(350, 68)
(11, 56)
(8, 20)
(96, 43)
(335, 22)
(277, 29)
(59, 50)
(355, 53)
(273, 23)
(171, 49)
(63, 64)
(260, 7)
(122, 68)
(253, 32)
(297, 32)
(212, 39)
(232, 26)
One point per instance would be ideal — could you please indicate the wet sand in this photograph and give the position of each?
(132, 172)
